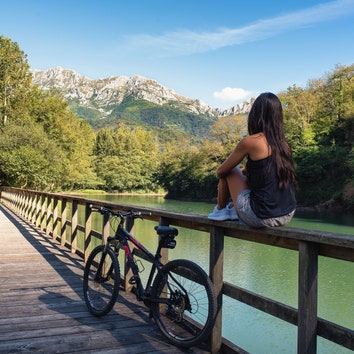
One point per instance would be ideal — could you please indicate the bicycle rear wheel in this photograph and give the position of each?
(183, 303)
(101, 281)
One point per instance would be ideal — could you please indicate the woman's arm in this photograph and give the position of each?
(241, 150)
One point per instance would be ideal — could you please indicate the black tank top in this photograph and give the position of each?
(267, 199)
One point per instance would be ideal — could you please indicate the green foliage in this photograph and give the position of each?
(319, 124)
(189, 172)
(74, 138)
(299, 112)
(43, 145)
(28, 158)
(15, 79)
(320, 171)
(335, 123)
(141, 112)
(229, 130)
(91, 116)
(126, 159)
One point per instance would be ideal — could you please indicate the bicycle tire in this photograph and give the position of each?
(186, 316)
(101, 290)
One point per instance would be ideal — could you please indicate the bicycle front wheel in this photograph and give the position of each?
(101, 281)
(183, 303)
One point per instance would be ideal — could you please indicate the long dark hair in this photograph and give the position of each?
(266, 116)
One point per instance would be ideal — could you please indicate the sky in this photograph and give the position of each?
(221, 52)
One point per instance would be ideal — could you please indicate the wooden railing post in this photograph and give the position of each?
(20, 204)
(38, 211)
(43, 212)
(48, 222)
(27, 205)
(55, 218)
(308, 291)
(33, 208)
(74, 223)
(105, 228)
(63, 222)
(216, 275)
(16, 202)
(88, 229)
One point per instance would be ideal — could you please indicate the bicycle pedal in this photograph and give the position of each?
(133, 280)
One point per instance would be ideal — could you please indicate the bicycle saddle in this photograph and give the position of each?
(166, 231)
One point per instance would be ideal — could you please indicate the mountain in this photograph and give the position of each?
(137, 99)
(242, 108)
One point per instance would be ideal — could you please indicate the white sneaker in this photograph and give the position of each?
(219, 215)
(232, 212)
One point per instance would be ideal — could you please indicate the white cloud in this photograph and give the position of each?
(232, 94)
(187, 42)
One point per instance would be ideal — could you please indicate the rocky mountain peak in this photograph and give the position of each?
(105, 94)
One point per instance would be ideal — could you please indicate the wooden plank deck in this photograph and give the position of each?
(42, 307)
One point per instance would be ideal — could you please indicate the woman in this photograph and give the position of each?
(264, 192)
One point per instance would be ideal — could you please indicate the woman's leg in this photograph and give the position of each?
(223, 193)
(230, 186)
(236, 183)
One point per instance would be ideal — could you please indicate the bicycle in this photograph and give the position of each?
(180, 295)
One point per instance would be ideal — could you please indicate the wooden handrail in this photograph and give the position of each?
(41, 209)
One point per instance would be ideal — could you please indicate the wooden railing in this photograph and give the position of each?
(49, 212)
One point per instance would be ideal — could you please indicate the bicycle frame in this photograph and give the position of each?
(123, 236)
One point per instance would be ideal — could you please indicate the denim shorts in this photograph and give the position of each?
(248, 217)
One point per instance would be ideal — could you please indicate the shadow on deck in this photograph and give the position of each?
(42, 306)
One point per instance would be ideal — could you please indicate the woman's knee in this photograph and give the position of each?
(236, 182)
(236, 176)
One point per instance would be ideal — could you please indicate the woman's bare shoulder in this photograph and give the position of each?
(257, 146)
(254, 139)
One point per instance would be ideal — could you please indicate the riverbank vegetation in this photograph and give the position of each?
(45, 146)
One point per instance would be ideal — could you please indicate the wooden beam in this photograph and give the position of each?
(308, 292)
(216, 274)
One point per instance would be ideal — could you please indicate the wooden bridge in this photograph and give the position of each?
(41, 265)
(42, 307)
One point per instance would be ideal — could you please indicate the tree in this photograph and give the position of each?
(74, 138)
(45, 146)
(28, 158)
(188, 172)
(299, 106)
(104, 143)
(335, 121)
(229, 130)
(126, 159)
(319, 121)
(15, 79)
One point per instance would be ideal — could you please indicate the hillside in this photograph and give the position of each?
(134, 100)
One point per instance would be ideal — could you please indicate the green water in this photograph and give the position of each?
(266, 270)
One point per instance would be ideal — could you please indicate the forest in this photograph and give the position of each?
(45, 146)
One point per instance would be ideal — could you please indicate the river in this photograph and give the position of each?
(266, 270)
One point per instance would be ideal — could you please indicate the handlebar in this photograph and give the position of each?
(130, 213)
